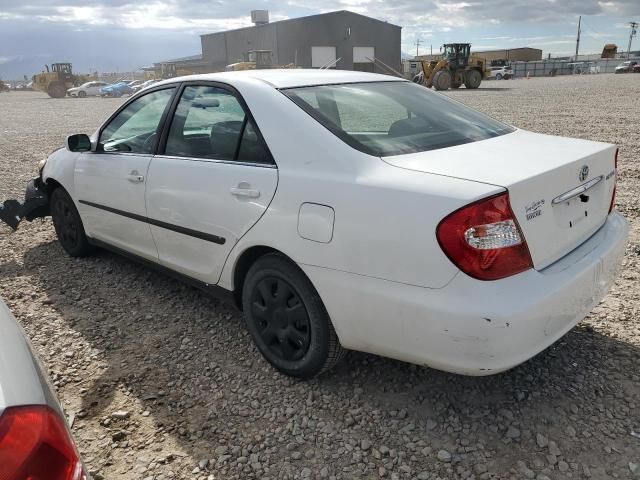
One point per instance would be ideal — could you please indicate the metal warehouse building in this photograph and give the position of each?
(344, 39)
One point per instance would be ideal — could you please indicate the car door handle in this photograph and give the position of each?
(245, 192)
(135, 177)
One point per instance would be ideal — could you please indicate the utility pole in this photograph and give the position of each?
(431, 49)
(634, 26)
(578, 38)
(417, 46)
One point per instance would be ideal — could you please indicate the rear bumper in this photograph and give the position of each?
(469, 326)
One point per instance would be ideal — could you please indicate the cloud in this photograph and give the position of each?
(126, 33)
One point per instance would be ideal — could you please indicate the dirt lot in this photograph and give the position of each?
(161, 382)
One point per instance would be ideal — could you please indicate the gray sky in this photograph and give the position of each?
(110, 35)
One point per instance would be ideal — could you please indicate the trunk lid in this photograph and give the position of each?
(544, 176)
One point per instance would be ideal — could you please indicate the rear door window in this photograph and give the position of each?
(210, 122)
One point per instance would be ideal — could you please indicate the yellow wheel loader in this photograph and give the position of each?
(456, 67)
(58, 79)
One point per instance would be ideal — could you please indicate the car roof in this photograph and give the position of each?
(289, 77)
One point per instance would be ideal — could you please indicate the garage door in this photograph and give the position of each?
(363, 59)
(363, 54)
(321, 56)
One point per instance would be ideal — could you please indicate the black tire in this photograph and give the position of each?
(56, 90)
(287, 319)
(68, 224)
(442, 80)
(498, 76)
(82, 94)
(473, 79)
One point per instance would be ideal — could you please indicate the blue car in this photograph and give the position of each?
(116, 90)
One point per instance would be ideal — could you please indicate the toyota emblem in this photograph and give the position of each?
(584, 173)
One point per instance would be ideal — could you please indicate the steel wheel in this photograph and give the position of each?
(287, 319)
(68, 225)
(281, 318)
(65, 225)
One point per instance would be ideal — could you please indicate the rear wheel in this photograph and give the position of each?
(442, 80)
(287, 319)
(56, 90)
(473, 79)
(68, 224)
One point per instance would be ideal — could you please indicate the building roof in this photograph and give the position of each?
(289, 77)
(348, 12)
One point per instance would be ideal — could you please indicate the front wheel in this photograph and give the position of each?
(498, 77)
(68, 225)
(287, 319)
(473, 79)
(82, 94)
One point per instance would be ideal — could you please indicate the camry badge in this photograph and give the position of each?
(584, 173)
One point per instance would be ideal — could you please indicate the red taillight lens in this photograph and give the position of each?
(484, 240)
(615, 181)
(35, 445)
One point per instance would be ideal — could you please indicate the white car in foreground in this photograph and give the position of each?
(89, 89)
(345, 210)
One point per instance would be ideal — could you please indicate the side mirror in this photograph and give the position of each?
(78, 143)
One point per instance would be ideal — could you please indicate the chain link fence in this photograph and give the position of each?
(549, 68)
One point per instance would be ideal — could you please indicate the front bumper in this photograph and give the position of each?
(35, 205)
(470, 326)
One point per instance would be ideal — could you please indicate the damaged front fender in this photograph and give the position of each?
(35, 205)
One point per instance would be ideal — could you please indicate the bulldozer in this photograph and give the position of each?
(456, 67)
(58, 79)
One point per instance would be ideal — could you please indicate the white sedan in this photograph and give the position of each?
(89, 89)
(343, 210)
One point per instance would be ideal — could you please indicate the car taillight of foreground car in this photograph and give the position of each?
(483, 239)
(35, 445)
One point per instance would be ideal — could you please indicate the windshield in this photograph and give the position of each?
(394, 118)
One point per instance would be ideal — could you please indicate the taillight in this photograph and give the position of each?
(484, 240)
(35, 445)
(615, 181)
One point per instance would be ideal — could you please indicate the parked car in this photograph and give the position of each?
(146, 84)
(135, 83)
(626, 67)
(636, 68)
(348, 210)
(34, 439)
(500, 73)
(116, 90)
(89, 89)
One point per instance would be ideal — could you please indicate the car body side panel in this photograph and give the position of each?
(19, 375)
(385, 217)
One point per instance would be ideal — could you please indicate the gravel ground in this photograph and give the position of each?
(161, 382)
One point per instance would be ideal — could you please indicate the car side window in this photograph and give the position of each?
(135, 128)
(210, 122)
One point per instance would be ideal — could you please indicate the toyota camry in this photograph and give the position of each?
(345, 210)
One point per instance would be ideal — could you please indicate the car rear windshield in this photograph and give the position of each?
(394, 118)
